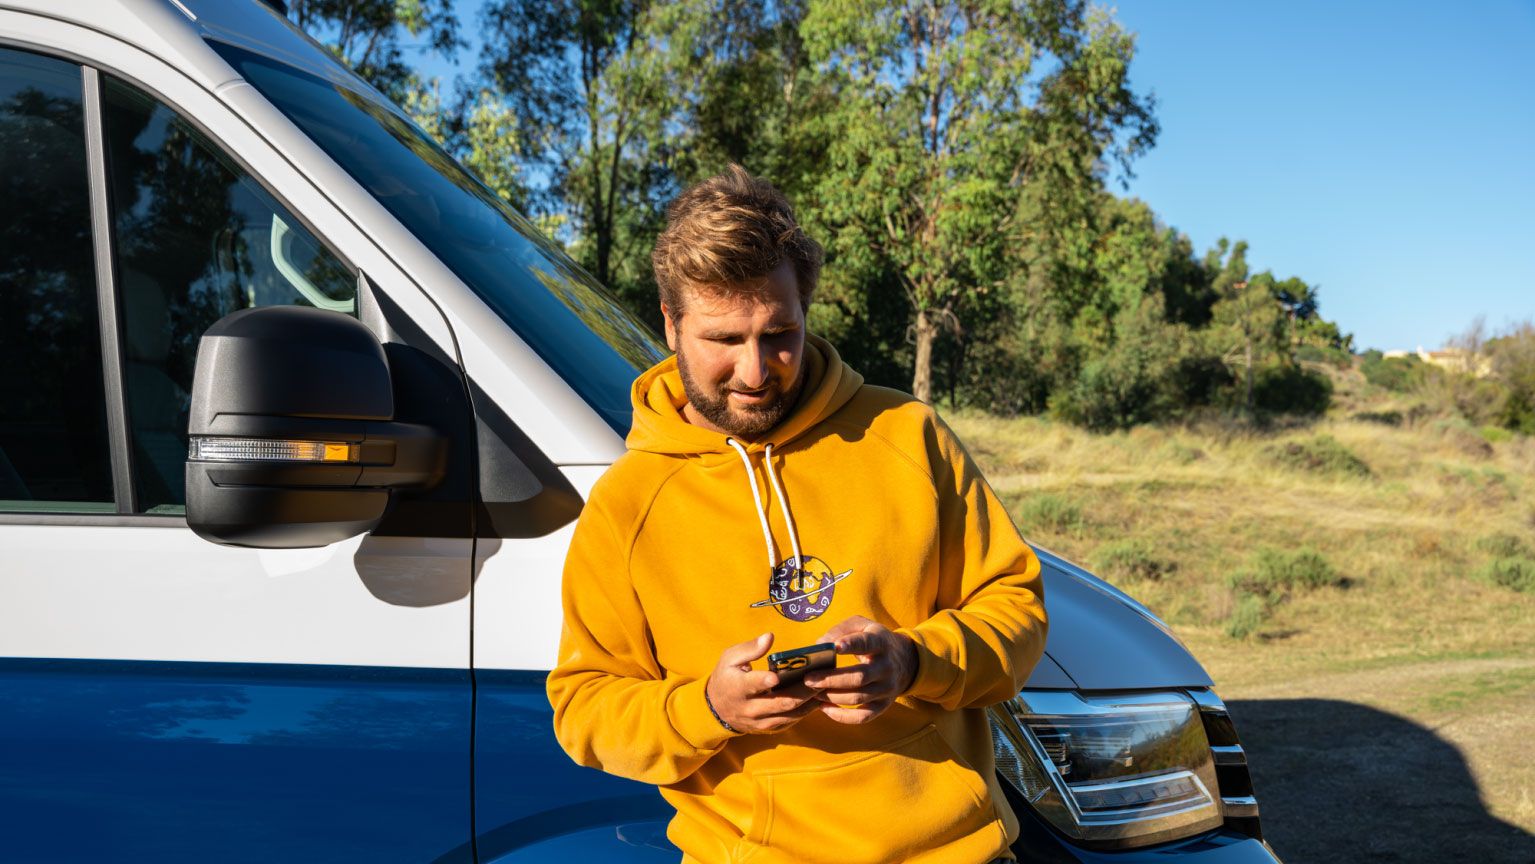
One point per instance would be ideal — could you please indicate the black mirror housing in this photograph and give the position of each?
(292, 435)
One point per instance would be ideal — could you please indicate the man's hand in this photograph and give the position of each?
(746, 699)
(886, 667)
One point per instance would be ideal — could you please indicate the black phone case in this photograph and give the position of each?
(792, 665)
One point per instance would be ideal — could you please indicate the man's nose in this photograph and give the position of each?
(752, 366)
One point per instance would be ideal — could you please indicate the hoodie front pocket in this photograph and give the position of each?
(911, 796)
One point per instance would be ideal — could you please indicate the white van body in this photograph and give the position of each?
(380, 697)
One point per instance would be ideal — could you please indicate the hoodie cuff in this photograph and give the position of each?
(935, 674)
(691, 717)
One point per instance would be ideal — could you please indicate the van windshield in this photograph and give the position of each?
(574, 324)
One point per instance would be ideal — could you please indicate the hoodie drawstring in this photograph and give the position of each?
(783, 503)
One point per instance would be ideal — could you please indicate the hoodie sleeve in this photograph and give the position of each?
(990, 631)
(614, 708)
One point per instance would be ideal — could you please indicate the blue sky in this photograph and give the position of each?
(1384, 151)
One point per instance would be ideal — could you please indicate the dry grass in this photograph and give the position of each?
(1171, 513)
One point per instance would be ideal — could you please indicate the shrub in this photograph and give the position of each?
(1495, 434)
(1321, 455)
(1384, 418)
(1501, 546)
(1277, 572)
(1516, 572)
(1199, 380)
(1273, 577)
(1136, 558)
(1339, 357)
(1292, 390)
(1399, 374)
(1051, 512)
(1247, 617)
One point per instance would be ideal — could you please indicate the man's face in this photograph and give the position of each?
(740, 356)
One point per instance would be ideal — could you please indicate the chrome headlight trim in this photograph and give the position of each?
(1144, 771)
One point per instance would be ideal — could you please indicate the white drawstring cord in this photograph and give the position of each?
(783, 503)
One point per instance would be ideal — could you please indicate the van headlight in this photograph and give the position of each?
(1114, 771)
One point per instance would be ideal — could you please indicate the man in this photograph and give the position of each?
(880, 536)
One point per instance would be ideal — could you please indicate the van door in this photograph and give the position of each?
(161, 697)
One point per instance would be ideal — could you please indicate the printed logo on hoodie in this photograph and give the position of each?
(802, 593)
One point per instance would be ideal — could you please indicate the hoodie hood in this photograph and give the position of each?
(658, 397)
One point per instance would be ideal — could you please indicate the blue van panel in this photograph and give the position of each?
(156, 761)
(534, 804)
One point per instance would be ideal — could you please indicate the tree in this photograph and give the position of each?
(367, 35)
(944, 113)
(587, 83)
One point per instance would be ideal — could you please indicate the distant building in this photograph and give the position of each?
(1453, 359)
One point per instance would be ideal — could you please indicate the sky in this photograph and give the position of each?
(1382, 151)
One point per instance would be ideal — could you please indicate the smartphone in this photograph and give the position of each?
(791, 666)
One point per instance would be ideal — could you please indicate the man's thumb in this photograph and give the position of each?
(744, 653)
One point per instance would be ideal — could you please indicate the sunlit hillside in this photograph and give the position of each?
(1377, 557)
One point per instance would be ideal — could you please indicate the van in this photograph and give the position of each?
(296, 418)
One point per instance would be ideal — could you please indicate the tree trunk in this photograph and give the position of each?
(922, 377)
(1249, 400)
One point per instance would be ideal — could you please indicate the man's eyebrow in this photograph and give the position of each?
(774, 327)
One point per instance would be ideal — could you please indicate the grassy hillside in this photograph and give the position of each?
(1377, 557)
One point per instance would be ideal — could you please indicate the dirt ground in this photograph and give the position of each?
(1393, 764)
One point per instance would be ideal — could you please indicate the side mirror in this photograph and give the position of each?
(292, 439)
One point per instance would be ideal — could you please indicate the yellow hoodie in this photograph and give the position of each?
(891, 520)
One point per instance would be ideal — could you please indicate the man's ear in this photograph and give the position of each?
(671, 328)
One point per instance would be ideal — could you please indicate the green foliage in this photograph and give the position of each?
(1497, 434)
(1397, 374)
(1050, 512)
(1502, 546)
(369, 35)
(1137, 558)
(954, 158)
(1384, 418)
(1513, 367)
(1273, 577)
(1516, 572)
(1292, 390)
(1321, 455)
(1276, 573)
(1250, 613)
(940, 114)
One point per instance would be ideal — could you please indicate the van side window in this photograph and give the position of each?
(196, 238)
(53, 429)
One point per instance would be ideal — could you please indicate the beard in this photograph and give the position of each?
(743, 421)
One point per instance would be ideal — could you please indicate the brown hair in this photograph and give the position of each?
(727, 229)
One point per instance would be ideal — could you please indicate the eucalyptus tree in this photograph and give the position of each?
(945, 112)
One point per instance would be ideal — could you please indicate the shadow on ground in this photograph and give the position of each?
(1343, 782)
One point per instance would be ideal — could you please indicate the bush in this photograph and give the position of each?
(1273, 577)
(1502, 546)
(1247, 617)
(1136, 558)
(1292, 390)
(1116, 391)
(1321, 455)
(1338, 357)
(1199, 380)
(1384, 418)
(1517, 572)
(1276, 573)
(1495, 434)
(1398, 374)
(1050, 512)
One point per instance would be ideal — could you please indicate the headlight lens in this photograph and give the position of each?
(1114, 771)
